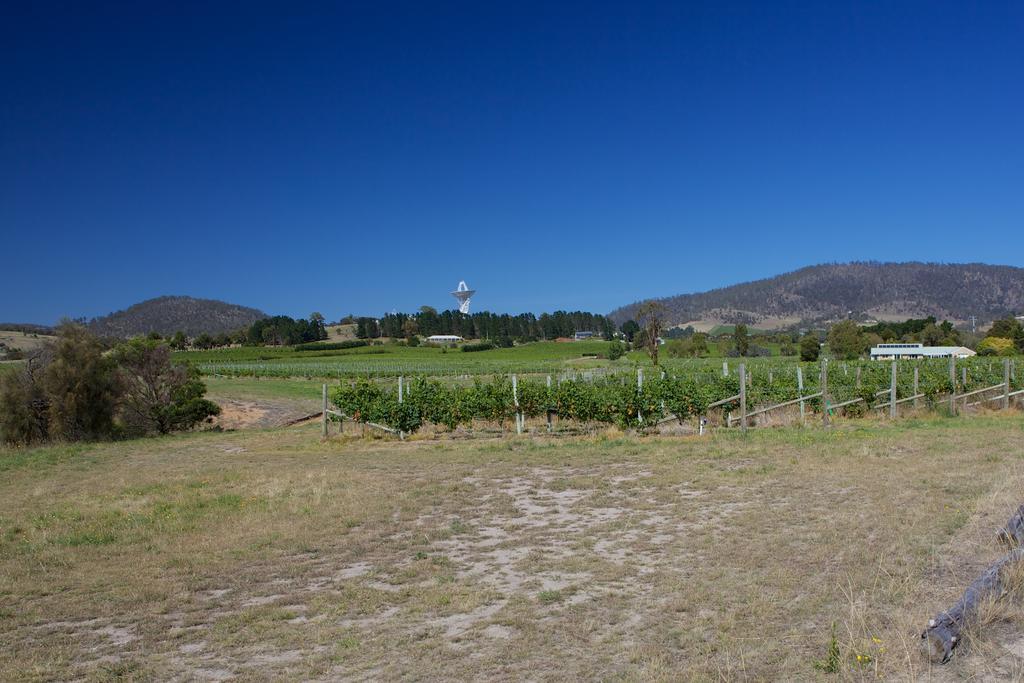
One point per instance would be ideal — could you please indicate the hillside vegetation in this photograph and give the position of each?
(169, 314)
(870, 290)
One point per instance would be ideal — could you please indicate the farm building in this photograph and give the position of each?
(898, 351)
(444, 338)
(583, 335)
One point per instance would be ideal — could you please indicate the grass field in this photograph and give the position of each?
(269, 555)
(22, 341)
(391, 360)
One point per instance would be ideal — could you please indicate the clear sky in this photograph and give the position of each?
(365, 156)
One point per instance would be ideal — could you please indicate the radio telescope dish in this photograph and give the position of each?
(463, 294)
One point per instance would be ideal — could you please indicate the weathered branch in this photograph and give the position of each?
(945, 631)
(1012, 534)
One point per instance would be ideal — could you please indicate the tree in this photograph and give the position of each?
(1009, 328)
(616, 350)
(846, 341)
(81, 388)
(699, 344)
(996, 346)
(810, 347)
(651, 314)
(67, 390)
(24, 409)
(629, 328)
(179, 342)
(679, 348)
(156, 394)
(410, 328)
(931, 335)
(741, 339)
(318, 326)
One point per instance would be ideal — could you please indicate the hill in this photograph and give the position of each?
(883, 291)
(168, 314)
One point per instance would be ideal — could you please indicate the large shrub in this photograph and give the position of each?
(24, 410)
(158, 395)
(996, 346)
(81, 387)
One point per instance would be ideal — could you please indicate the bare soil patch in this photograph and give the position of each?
(259, 413)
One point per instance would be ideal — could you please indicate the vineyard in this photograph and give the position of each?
(392, 360)
(632, 400)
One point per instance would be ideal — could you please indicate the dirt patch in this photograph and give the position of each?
(258, 414)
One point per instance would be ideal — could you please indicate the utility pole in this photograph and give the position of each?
(974, 323)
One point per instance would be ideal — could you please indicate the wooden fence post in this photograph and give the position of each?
(892, 393)
(858, 378)
(743, 397)
(639, 388)
(1006, 383)
(549, 409)
(725, 368)
(401, 397)
(323, 421)
(917, 384)
(824, 392)
(800, 390)
(515, 401)
(963, 383)
(952, 382)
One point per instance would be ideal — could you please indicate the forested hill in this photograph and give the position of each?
(168, 314)
(868, 289)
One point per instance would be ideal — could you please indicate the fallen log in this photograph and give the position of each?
(945, 631)
(1012, 535)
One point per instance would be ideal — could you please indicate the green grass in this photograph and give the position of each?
(388, 360)
(250, 388)
(536, 351)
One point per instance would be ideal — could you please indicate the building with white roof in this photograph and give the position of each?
(897, 351)
(444, 338)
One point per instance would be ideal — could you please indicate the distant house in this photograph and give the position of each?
(583, 335)
(910, 350)
(444, 338)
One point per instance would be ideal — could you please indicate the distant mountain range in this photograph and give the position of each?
(168, 314)
(864, 290)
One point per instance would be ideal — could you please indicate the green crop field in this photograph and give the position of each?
(391, 360)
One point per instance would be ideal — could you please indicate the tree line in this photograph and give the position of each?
(276, 331)
(524, 327)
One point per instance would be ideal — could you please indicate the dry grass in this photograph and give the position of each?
(25, 342)
(268, 555)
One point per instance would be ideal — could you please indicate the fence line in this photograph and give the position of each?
(958, 394)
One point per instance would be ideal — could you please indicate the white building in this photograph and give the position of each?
(897, 351)
(444, 338)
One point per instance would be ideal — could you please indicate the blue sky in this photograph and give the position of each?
(366, 156)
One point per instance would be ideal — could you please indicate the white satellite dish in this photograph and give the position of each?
(463, 294)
